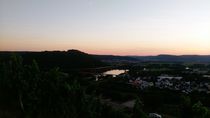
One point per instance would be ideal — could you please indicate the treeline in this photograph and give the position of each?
(28, 92)
(65, 60)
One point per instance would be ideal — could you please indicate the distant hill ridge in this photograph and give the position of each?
(78, 59)
(115, 58)
(175, 58)
(64, 59)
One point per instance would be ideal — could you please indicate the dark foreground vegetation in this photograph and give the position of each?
(25, 91)
(28, 90)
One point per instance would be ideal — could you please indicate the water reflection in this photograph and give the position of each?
(114, 72)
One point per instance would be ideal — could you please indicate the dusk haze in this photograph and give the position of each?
(104, 58)
(116, 27)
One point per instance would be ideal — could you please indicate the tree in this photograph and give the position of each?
(137, 110)
(200, 111)
(32, 93)
(186, 106)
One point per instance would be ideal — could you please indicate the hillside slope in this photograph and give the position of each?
(71, 59)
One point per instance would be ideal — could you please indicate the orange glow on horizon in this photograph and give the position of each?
(123, 48)
(106, 27)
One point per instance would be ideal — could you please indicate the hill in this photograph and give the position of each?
(71, 59)
(158, 58)
(113, 58)
(174, 58)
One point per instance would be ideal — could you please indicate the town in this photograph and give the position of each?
(180, 79)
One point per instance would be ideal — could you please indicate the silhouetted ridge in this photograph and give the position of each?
(115, 58)
(71, 59)
(175, 58)
(73, 51)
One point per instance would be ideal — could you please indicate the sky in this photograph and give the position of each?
(118, 27)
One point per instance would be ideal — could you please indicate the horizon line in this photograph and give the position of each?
(104, 54)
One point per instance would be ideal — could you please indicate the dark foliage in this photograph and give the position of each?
(25, 91)
(66, 60)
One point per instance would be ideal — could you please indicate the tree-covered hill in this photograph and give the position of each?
(28, 92)
(71, 59)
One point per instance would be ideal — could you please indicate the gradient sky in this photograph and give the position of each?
(120, 27)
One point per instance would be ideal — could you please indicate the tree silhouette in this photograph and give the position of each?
(137, 110)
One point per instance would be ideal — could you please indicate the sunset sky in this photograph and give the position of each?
(119, 27)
